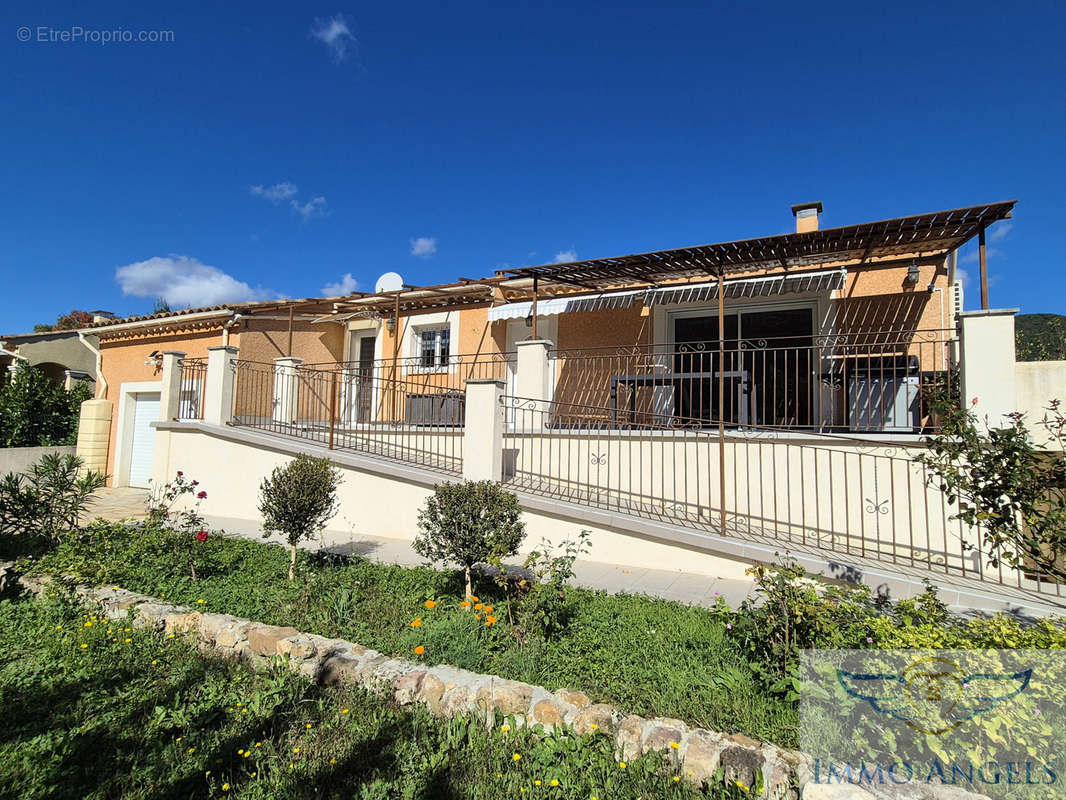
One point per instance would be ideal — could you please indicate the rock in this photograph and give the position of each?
(263, 639)
(458, 700)
(742, 759)
(297, 648)
(574, 698)
(431, 692)
(188, 622)
(233, 635)
(407, 686)
(599, 717)
(664, 734)
(825, 791)
(702, 756)
(550, 712)
(339, 669)
(630, 737)
(507, 697)
(779, 773)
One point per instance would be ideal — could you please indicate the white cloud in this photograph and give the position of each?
(346, 285)
(963, 277)
(1000, 231)
(185, 282)
(335, 34)
(974, 255)
(276, 193)
(565, 256)
(423, 246)
(315, 207)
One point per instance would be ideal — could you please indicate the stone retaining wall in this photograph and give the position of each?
(447, 692)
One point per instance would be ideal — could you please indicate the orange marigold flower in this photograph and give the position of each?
(477, 616)
(488, 609)
(478, 606)
(430, 603)
(465, 604)
(490, 620)
(473, 597)
(417, 623)
(419, 650)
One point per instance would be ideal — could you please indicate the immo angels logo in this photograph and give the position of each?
(934, 695)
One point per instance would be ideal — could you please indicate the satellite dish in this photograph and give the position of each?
(389, 282)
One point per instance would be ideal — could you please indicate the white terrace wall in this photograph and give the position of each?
(377, 500)
(1036, 384)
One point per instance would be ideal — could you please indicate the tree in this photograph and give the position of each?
(48, 501)
(469, 523)
(297, 501)
(67, 322)
(36, 412)
(1002, 482)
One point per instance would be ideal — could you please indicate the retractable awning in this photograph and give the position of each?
(768, 286)
(567, 305)
(675, 295)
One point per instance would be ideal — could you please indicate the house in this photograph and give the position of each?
(697, 409)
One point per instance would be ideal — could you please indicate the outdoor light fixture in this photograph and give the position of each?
(912, 274)
(390, 323)
(529, 320)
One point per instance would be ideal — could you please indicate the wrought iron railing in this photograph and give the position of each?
(870, 381)
(835, 494)
(191, 388)
(360, 412)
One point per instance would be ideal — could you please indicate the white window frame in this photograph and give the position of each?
(410, 345)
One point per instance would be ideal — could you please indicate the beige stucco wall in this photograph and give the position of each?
(373, 504)
(1036, 383)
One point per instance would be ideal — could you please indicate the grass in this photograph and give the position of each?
(94, 709)
(648, 656)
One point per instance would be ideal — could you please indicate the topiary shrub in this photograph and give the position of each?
(469, 523)
(297, 501)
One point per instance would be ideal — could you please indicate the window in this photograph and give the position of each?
(434, 347)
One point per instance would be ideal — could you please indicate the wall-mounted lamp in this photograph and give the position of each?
(912, 274)
(529, 320)
(390, 323)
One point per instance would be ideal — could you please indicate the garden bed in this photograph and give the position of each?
(96, 708)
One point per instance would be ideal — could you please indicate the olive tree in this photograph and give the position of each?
(469, 523)
(297, 501)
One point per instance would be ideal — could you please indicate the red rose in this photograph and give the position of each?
(180, 473)
(201, 536)
(202, 495)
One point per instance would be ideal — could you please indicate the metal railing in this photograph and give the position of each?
(815, 493)
(870, 381)
(353, 411)
(191, 388)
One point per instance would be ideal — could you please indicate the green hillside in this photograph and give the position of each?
(1040, 337)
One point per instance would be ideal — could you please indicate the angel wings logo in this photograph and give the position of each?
(934, 695)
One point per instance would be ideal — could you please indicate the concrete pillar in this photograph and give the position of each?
(170, 394)
(218, 388)
(533, 379)
(94, 431)
(286, 389)
(483, 432)
(987, 364)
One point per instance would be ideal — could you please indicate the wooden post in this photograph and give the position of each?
(288, 352)
(982, 256)
(534, 309)
(332, 406)
(395, 361)
(721, 396)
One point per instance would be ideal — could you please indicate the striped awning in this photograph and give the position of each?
(567, 305)
(771, 285)
(676, 295)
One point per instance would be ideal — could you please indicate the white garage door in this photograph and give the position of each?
(145, 412)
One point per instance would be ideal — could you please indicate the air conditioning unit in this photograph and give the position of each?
(956, 292)
(883, 394)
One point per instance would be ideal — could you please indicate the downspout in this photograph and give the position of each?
(101, 384)
(226, 328)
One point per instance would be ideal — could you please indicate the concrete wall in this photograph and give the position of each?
(1036, 383)
(20, 459)
(374, 502)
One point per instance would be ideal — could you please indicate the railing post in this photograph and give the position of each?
(987, 364)
(483, 431)
(332, 406)
(170, 394)
(219, 386)
(286, 389)
(534, 377)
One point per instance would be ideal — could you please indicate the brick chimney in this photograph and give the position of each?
(806, 215)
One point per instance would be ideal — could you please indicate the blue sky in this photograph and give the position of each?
(274, 149)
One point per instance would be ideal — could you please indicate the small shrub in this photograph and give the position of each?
(183, 529)
(297, 501)
(469, 523)
(543, 603)
(47, 502)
